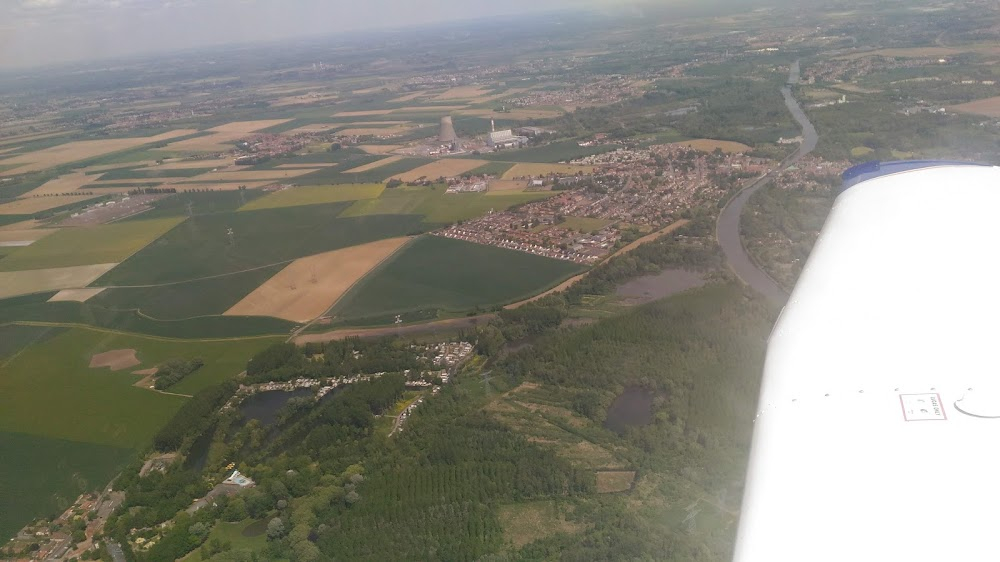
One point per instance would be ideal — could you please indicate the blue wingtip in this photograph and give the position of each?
(873, 169)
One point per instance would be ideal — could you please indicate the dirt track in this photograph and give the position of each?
(411, 329)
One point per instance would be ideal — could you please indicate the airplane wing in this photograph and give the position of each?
(878, 428)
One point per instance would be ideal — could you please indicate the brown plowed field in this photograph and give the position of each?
(308, 287)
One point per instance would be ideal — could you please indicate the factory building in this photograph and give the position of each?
(504, 139)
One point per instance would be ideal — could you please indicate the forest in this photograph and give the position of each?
(780, 226)
(173, 371)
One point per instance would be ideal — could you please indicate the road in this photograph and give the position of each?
(728, 228)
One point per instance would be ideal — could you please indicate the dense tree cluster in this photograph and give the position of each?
(351, 356)
(173, 371)
(193, 417)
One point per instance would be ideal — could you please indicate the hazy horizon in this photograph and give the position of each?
(89, 30)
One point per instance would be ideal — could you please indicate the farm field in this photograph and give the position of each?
(49, 474)
(402, 200)
(452, 275)
(584, 224)
(98, 406)
(314, 195)
(15, 237)
(34, 205)
(525, 170)
(36, 308)
(373, 165)
(408, 97)
(988, 106)
(190, 299)
(109, 243)
(101, 406)
(76, 295)
(516, 113)
(216, 163)
(219, 185)
(62, 185)
(463, 93)
(372, 175)
(556, 152)
(252, 175)
(379, 148)
(201, 246)
(308, 287)
(201, 203)
(222, 137)
(708, 145)
(448, 208)
(392, 131)
(15, 337)
(365, 113)
(441, 168)
(104, 418)
(82, 150)
(14, 283)
(119, 174)
(507, 186)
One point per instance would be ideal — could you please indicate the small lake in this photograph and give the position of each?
(633, 408)
(264, 406)
(659, 285)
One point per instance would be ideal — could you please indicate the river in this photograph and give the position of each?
(728, 227)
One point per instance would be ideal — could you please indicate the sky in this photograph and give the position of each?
(38, 32)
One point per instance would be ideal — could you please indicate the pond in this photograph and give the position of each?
(659, 285)
(264, 406)
(633, 408)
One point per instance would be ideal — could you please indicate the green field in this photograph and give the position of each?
(11, 219)
(107, 243)
(14, 338)
(151, 173)
(202, 203)
(49, 389)
(402, 200)
(339, 175)
(452, 275)
(584, 224)
(42, 477)
(201, 246)
(315, 195)
(447, 208)
(33, 308)
(438, 207)
(186, 300)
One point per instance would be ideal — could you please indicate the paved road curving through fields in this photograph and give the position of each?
(728, 228)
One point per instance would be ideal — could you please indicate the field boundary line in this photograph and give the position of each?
(137, 334)
(216, 276)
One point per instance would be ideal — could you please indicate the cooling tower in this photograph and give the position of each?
(447, 130)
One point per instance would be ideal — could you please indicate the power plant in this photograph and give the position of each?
(447, 134)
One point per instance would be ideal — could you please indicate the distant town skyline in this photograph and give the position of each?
(41, 32)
